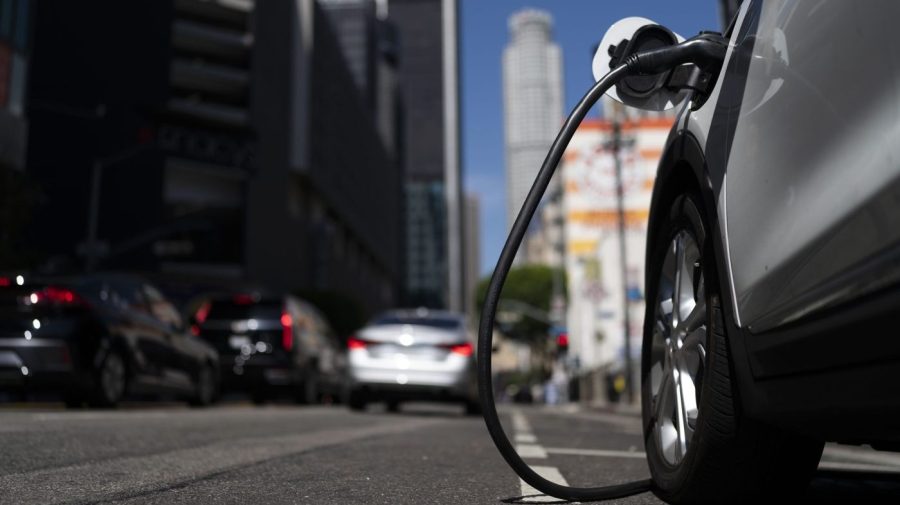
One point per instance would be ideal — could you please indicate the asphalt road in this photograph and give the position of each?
(284, 454)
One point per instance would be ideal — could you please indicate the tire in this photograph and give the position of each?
(205, 393)
(393, 406)
(110, 381)
(259, 398)
(311, 394)
(357, 401)
(711, 453)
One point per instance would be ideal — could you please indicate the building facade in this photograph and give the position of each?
(429, 150)
(15, 49)
(215, 135)
(595, 312)
(533, 102)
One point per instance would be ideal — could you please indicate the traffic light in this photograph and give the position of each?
(562, 343)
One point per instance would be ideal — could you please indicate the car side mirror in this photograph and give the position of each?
(624, 38)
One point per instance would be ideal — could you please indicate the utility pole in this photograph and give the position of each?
(620, 201)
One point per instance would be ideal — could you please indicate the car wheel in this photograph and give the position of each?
(393, 406)
(473, 408)
(700, 448)
(111, 381)
(310, 391)
(205, 393)
(357, 401)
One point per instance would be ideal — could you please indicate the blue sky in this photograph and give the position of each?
(578, 25)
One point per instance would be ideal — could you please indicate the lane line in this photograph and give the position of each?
(531, 451)
(596, 452)
(520, 424)
(526, 438)
(532, 495)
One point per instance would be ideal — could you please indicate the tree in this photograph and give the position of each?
(531, 285)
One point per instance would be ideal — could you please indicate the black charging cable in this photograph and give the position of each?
(705, 52)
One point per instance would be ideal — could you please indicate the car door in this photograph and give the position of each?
(140, 330)
(813, 174)
(178, 364)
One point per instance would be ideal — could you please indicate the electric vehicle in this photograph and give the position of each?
(773, 247)
(415, 354)
(97, 338)
(773, 256)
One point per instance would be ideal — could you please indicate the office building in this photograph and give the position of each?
(426, 33)
(213, 136)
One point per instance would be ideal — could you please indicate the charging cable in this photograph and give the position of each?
(707, 53)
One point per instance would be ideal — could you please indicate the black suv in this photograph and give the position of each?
(272, 345)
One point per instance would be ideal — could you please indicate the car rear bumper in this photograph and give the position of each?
(37, 364)
(257, 372)
(413, 384)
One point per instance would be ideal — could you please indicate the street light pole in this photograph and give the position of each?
(93, 211)
(92, 245)
(623, 261)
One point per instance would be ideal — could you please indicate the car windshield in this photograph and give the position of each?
(447, 323)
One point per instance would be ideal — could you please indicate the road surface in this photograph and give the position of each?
(148, 454)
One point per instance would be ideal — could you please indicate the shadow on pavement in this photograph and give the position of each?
(841, 486)
(827, 487)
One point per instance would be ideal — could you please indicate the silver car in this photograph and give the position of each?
(773, 260)
(413, 355)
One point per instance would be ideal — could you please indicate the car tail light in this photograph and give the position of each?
(355, 343)
(202, 312)
(5, 282)
(287, 331)
(462, 349)
(55, 296)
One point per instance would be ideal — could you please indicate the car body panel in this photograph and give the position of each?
(806, 337)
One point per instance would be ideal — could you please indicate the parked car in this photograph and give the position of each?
(272, 345)
(772, 256)
(97, 339)
(413, 355)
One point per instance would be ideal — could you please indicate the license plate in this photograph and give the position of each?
(238, 341)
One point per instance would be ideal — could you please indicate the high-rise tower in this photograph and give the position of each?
(533, 101)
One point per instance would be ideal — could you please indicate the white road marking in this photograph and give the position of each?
(520, 424)
(526, 438)
(533, 495)
(531, 451)
(596, 452)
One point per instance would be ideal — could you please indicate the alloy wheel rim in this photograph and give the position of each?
(678, 348)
